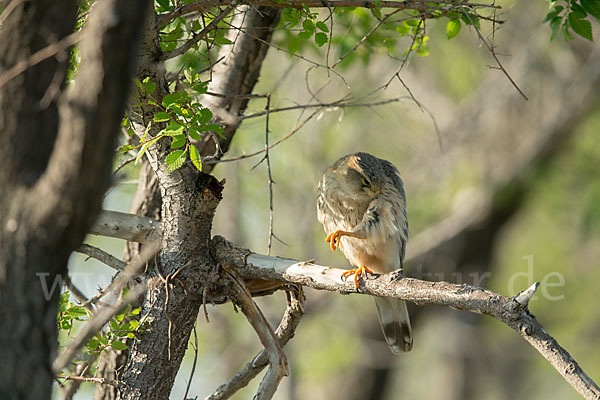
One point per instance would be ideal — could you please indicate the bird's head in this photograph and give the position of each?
(360, 175)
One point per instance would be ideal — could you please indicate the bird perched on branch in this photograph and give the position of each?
(362, 206)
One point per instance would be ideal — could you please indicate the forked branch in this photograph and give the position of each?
(285, 331)
(278, 367)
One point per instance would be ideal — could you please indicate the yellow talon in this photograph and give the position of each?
(356, 272)
(334, 238)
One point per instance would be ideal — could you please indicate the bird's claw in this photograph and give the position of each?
(356, 272)
(334, 239)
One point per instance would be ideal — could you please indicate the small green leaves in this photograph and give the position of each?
(592, 7)
(322, 26)
(173, 129)
(146, 85)
(195, 157)
(178, 141)
(161, 116)
(175, 159)
(117, 345)
(309, 29)
(321, 38)
(453, 28)
(581, 26)
(572, 16)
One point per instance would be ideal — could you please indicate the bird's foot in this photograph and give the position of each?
(356, 272)
(334, 238)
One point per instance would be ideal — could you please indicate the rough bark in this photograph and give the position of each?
(56, 150)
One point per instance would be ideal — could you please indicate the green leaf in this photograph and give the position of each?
(178, 141)
(179, 98)
(581, 26)
(222, 40)
(321, 38)
(206, 115)
(139, 84)
(133, 324)
(554, 13)
(148, 85)
(189, 75)
(118, 345)
(92, 344)
(308, 26)
(201, 87)
(195, 157)
(214, 127)
(193, 132)
(145, 147)
(404, 29)
(555, 26)
(173, 129)
(161, 116)
(453, 28)
(77, 311)
(592, 7)
(66, 324)
(175, 159)
(304, 35)
(322, 26)
(163, 5)
(576, 8)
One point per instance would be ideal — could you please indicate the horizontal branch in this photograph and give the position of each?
(101, 256)
(419, 5)
(130, 227)
(462, 297)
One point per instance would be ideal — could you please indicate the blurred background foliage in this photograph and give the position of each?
(550, 234)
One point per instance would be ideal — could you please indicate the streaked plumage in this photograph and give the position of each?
(363, 196)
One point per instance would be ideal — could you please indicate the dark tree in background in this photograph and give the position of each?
(57, 144)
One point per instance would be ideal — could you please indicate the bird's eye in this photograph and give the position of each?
(365, 182)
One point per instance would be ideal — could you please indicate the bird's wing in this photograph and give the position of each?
(400, 209)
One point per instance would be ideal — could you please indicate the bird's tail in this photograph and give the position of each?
(395, 323)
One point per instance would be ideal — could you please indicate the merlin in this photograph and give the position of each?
(362, 206)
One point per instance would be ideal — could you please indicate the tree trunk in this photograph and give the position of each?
(55, 151)
(189, 200)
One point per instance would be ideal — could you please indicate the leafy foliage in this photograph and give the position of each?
(183, 120)
(123, 325)
(572, 15)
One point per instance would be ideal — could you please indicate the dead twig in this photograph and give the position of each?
(278, 367)
(102, 256)
(493, 53)
(285, 331)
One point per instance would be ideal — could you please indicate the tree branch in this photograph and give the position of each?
(508, 310)
(278, 367)
(419, 5)
(130, 227)
(285, 331)
(102, 256)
